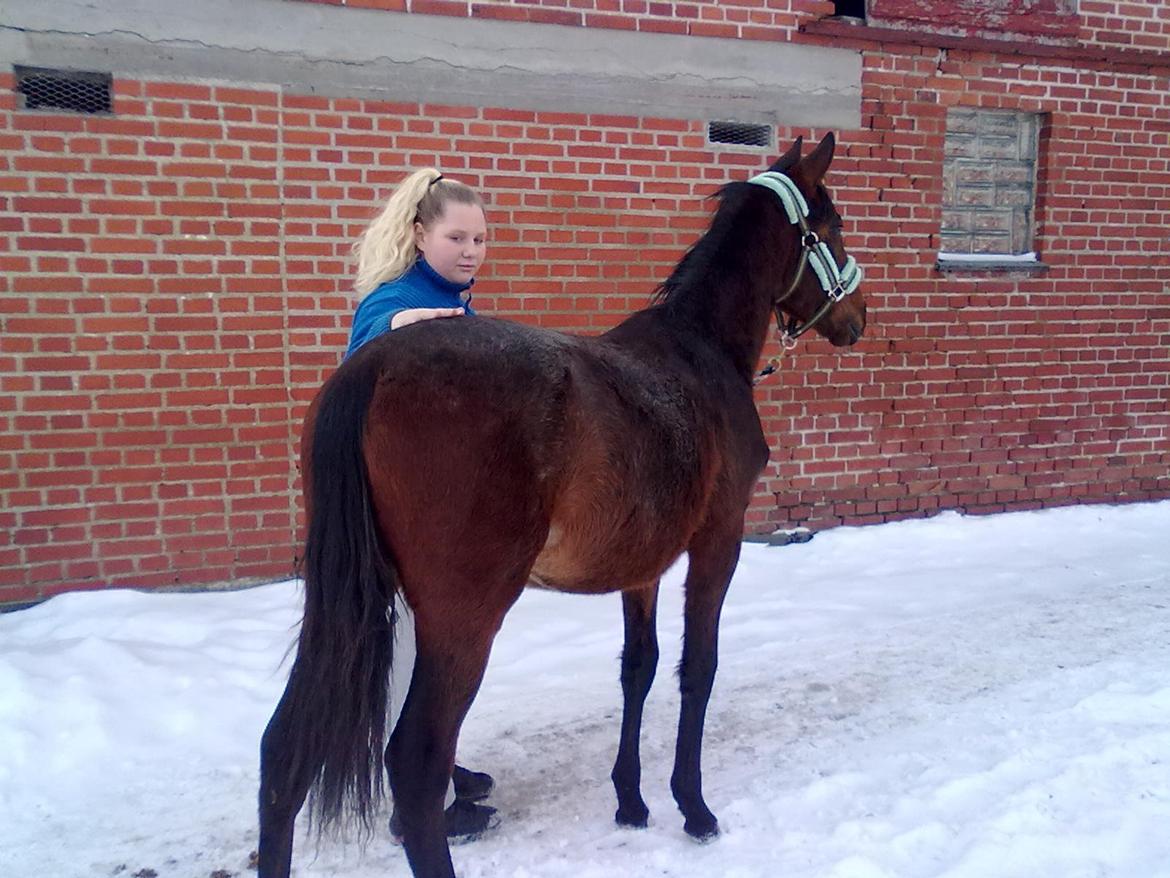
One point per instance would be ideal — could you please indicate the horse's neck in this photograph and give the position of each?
(732, 308)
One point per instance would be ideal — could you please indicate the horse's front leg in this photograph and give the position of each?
(639, 662)
(709, 573)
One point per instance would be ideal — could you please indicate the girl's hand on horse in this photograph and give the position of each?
(417, 315)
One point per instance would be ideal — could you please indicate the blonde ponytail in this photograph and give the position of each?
(386, 249)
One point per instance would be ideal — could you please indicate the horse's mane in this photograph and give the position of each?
(697, 262)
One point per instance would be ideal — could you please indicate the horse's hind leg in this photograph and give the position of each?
(284, 784)
(711, 564)
(447, 673)
(639, 662)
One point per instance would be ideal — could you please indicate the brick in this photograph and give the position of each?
(30, 242)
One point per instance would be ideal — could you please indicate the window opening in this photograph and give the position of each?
(849, 9)
(989, 184)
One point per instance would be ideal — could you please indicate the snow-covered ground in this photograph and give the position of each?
(979, 697)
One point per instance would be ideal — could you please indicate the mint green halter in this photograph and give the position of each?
(836, 282)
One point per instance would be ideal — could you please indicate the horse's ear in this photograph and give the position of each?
(789, 158)
(809, 172)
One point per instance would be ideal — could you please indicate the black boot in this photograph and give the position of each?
(471, 785)
(466, 821)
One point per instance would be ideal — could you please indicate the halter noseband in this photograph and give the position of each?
(836, 282)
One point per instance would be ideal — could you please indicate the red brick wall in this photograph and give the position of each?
(740, 19)
(144, 396)
(1024, 18)
(174, 289)
(1136, 24)
(988, 393)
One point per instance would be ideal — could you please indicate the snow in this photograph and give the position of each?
(948, 697)
(948, 256)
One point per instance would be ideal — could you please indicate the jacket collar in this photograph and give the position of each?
(424, 268)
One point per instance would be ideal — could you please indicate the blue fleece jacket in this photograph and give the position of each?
(420, 287)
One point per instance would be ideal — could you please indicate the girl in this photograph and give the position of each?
(417, 261)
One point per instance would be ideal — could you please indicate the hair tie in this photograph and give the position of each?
(434, 181)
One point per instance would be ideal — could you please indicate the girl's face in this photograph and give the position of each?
(454, 244)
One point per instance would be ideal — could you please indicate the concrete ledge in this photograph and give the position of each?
(332, 50)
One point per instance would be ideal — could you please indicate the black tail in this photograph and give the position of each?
(334, 707)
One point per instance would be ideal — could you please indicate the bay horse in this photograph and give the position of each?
(454, 462)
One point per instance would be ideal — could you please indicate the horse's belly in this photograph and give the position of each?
(633, 490)
(598, 560)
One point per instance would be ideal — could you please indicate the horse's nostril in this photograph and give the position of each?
(855, 330)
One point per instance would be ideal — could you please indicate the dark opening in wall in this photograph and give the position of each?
(849, 8)
(76, 91)
(739, 133)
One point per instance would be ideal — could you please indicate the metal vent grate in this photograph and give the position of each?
(78, 91)
(739, 133)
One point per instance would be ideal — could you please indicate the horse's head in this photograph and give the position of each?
(821, 290)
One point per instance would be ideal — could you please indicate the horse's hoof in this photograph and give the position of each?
(702, 831)
(634, 818)
(464, 821)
